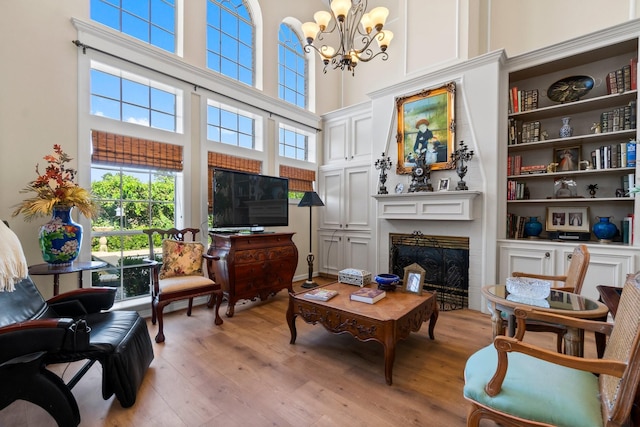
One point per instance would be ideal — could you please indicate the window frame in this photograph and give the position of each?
(289, 46)
(175, 5)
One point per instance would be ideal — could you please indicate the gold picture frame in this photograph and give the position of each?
(426, 122)
(413, 280)
(567, 159)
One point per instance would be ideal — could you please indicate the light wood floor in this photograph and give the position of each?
(245, 373)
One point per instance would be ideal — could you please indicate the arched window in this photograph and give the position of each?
(292, 68)
(230, 40)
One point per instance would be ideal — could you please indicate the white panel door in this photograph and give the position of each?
(526, 259)
(330, 191)
(330, 248)
(335, 142)
(358, 198)
(361, 139)
(357, 252)
(606, 269)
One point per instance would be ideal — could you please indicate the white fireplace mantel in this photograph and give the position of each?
(440, 205)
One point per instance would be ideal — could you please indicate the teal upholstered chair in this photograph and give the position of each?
(518, 384)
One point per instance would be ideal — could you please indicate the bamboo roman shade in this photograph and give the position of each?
(119, 150)
(299, 179)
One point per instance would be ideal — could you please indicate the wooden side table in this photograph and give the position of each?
(56, 271)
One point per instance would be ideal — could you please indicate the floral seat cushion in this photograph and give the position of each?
(181, 258)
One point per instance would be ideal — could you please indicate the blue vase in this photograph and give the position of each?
(60, 238)
(533, 227)
(604, 230)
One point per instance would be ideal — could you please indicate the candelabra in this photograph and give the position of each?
(459, 157)
(383, 164)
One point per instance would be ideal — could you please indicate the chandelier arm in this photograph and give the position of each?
(383, 55)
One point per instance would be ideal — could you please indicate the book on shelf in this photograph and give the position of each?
(634, 73)
(368, 295)
(321, 294)
(631, 154)
(626, 225)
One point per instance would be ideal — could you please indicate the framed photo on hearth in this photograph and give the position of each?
(568, 218)
(426, 126)
(413, 279)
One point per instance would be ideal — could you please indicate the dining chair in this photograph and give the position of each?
(180, 275)
(514, 383)
(571, 281)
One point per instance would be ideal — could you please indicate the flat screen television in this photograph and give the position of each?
(242, 200)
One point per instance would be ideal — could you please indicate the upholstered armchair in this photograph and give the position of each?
(180, 276)
(518, 384)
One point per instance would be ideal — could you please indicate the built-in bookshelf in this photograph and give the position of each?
(548, 166)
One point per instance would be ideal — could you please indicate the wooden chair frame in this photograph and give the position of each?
(572, 282)
(160, 299)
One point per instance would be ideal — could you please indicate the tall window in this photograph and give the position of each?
(152, 21)
(135, 183)
(292, 69)
(230, 126)
(293, 143)
(124, 96)
(230, 40)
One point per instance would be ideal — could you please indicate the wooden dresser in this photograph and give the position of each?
(253, 265)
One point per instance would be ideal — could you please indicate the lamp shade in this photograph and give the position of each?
(310, 198)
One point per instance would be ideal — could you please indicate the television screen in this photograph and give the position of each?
(243, 199)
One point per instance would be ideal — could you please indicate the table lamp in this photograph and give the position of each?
(310, 199)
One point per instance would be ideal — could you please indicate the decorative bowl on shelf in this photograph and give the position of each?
(387, 282)
(570, 89)
(523, 287)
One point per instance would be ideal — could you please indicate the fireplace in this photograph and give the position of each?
(445, 260)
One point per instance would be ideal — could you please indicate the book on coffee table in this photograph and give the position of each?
(321, 294)
(368, 295)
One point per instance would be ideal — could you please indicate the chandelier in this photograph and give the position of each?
(355, 29)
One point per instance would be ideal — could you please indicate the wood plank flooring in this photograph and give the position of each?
(245, 373)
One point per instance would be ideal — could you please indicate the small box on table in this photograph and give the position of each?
(353, 276)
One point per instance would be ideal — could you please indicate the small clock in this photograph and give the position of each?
(399, 188)
(418, 171)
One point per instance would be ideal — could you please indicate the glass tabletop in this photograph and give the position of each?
(557, 300)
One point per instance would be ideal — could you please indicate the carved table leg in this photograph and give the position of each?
(574, 342)
(433, 320)
(389, 358)
(496, 320)
(291, 321)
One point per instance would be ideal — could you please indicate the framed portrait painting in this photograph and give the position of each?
(426, 126)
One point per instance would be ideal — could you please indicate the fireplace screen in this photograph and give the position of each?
(445, 260)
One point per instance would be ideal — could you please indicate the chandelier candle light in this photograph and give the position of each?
(354, 28)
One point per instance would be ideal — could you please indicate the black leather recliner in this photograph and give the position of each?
(69, 327)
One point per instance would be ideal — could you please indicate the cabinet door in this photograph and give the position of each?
(526, 259)
(330, 190)
(606, 268)
(360, 146)
(335, 142)
(357, 198)
(330, 250)
(357, 252)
